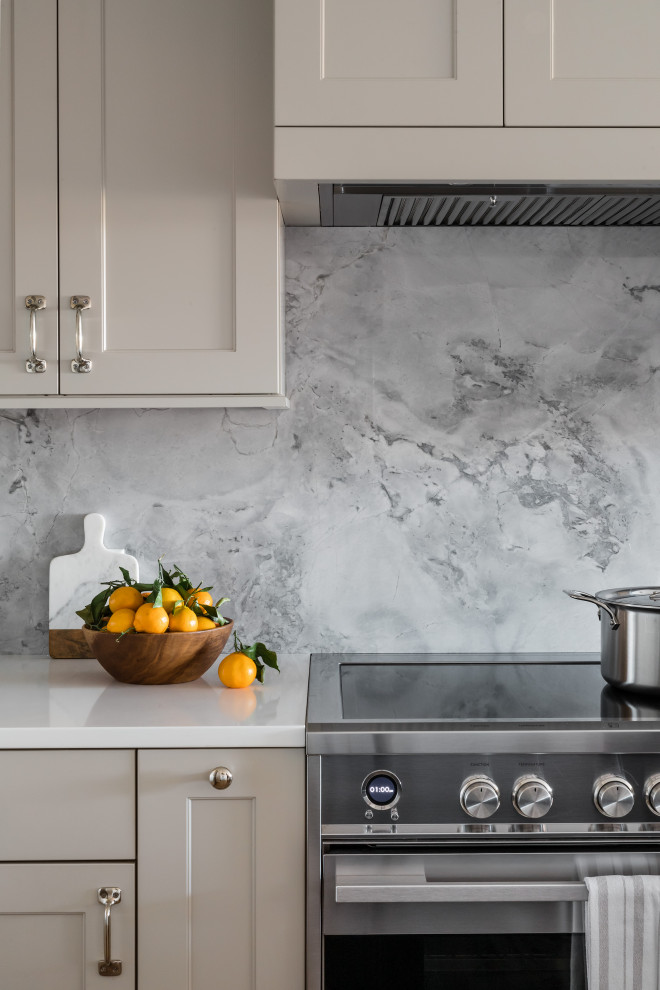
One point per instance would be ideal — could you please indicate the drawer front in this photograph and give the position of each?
(67, 804)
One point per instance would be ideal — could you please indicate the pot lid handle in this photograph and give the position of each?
(584, 597)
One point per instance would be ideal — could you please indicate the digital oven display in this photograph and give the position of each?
(381, 790)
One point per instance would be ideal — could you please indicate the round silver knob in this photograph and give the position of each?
(532, 797)
(221, 778)
(652, 793)
(480, 797)
(613, 796)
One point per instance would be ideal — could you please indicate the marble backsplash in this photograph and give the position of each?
(473, 427)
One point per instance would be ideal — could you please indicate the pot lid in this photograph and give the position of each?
(648, 598)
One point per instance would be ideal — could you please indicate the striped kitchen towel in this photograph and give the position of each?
(622, 933)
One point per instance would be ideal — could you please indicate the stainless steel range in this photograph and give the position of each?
(456, 804)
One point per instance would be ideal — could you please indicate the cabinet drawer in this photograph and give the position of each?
(67, 804)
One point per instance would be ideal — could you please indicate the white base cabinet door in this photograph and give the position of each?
(52, 926)
(221, 872)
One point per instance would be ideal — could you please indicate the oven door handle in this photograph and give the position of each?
(352, 891)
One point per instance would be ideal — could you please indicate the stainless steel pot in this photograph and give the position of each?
(629, 636)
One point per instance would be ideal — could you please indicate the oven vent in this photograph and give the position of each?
(483, 206)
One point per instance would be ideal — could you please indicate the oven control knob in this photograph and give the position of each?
(652, 793)
(532, 797)
(613, 796)
(480, 797)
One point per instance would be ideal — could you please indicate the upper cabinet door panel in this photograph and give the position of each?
(582, 63)
(388, 63)
(167, 196)
(28, 192)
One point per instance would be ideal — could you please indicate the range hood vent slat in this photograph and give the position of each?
(648, 213)
(488, 205)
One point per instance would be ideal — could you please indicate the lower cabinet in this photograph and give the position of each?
(221, 871)
(53, 929)
(67, 845)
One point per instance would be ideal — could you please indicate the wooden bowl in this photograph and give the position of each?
(158, 658)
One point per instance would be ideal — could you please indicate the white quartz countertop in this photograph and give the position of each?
(72, 704)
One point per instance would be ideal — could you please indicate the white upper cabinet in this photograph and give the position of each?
(582, 63)
(169, 227)
(441, 63)
(388, 63)
(28, 195)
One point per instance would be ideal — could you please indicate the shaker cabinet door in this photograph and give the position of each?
(221, 872)
(52, 926)
(169, 221)
(28, 196)
(582, 63)
(388, 63)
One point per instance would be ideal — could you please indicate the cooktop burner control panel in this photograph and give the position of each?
(453, 789)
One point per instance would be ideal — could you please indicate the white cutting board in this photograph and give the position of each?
(74, 580)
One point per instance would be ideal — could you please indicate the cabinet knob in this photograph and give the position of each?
(221, 778)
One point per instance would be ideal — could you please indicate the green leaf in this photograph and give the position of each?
(269, 657)
(86, 615)
(167, 578)
(131, 629)
(156, 596)
(262, 656)
(93, 613)
(182, 580)
(211, 611)
(128, 580)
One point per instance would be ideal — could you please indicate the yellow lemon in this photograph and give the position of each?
(150, 619)
(121, 620)
(203, 622)
(183, 620)
(125, 597)
(237, 670)
(201, 597)
(170, 598)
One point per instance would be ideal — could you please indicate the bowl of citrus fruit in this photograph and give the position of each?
(168, 631)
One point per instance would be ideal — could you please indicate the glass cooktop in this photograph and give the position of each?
(472, 691)
(453, 691)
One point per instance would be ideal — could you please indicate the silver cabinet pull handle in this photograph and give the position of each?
(34, 364)
(221, 778)
(108, 896)
(81, 365)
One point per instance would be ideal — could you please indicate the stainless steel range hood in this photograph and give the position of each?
(488, 204)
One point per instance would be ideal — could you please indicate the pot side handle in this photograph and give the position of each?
(584, 597)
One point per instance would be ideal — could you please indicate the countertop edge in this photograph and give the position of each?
(75, 704)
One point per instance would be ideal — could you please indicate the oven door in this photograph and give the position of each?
(464, 920)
